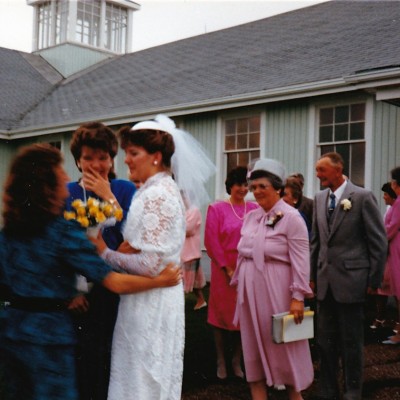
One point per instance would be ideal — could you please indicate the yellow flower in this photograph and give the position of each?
(81, 211)
(68, 215)
(108, 210)
(93, 210)
(78, 203)
(84, 221)
(93, 202)
(118, 214)
(100, 217)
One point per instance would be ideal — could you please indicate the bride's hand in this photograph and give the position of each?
(126, 248)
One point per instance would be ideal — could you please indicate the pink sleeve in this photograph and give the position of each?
(212, 237)
(193, 221)
(393, 224)
(299, 257)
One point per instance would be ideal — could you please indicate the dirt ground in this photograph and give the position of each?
(381, 373)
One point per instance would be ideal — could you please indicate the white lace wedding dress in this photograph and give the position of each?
(148, 341)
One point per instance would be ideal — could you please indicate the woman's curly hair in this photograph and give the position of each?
(30, 194)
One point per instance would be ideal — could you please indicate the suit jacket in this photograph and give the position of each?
(349, 254)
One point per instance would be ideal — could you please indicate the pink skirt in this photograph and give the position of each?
(193, 276)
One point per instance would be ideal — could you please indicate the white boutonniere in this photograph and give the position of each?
(346, 204)
(272, 221)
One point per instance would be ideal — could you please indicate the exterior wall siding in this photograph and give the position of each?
(386, 145)
(286, 136)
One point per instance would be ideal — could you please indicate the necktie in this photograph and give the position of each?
(332, 204)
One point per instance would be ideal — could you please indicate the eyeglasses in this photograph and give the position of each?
(261, 186)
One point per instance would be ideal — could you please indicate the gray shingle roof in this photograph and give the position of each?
(323, 42)
(25, 79)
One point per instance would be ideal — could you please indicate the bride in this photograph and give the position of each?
(148, 341)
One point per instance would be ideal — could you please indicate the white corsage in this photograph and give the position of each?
(346, 204)
(272, 221)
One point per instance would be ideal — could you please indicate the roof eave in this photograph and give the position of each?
(361, 81)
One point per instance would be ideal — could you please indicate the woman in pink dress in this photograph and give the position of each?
(222, 233)
(382, 293)
(272, 277)
(392, 224)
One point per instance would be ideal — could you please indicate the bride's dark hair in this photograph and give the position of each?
(151, 140)
(30, 193)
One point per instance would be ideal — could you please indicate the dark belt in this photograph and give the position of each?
(35, 304)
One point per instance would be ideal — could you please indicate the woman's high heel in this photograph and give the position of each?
(378, 323)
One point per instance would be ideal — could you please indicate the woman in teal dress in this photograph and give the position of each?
(40, 255)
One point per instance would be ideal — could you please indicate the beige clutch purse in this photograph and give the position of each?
(284, 329)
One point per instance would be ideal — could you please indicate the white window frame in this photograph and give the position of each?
(314, 136)
(221, 154)
(56, 33)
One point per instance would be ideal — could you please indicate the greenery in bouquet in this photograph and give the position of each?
(93, 212)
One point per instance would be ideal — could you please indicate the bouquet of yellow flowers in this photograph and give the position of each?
(94, 212)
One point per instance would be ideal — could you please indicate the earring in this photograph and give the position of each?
(155, 162)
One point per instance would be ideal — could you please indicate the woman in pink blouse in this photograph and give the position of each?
(222, 234)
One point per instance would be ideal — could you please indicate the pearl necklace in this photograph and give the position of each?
(237, 216)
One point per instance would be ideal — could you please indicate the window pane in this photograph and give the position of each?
(341, 114)
(344, 151)
(243, 158)
(242, 141)
(341, 132)
(254, 124)
(116, 27)
(230, 142)
(242, 125)
(254, 155)
(254, 140)
(232, 161)
(241, 135)
(358, 163)
(357, 131)
(357, 112)
(327, 149)
(326, 116)
(230, 126)
(326, 134)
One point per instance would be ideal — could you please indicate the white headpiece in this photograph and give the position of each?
(190, 165)
(269, 165)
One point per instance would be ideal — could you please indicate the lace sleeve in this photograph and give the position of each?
(136, 264)
(155, 226)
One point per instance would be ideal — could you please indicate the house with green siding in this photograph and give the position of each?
(290, 87)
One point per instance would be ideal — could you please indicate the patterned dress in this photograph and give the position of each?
(273, 267)
(39, 347)
(148, 342)
(222, 234)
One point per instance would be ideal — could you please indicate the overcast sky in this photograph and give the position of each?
(157, 22)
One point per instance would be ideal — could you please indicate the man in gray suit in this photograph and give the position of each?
(348, 252)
